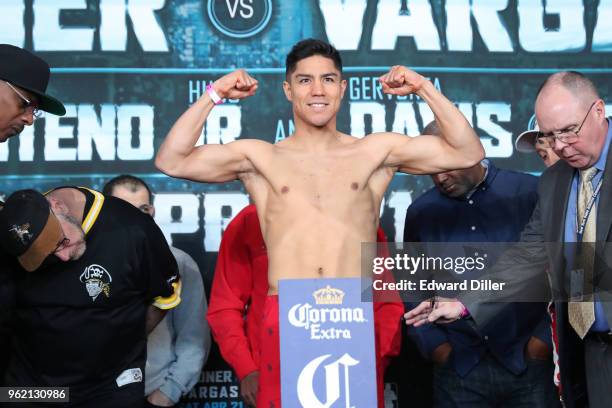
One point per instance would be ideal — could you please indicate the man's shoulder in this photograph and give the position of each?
(380, 137)
(558, 169)
(246, 220)
(422, 204)
(120, 218)
(516, 177)
(124, 213)
(190, 276)
(516, 174)
(246, 213)
(253, 147)
(186, 264)
(551, 177)
(181, 256)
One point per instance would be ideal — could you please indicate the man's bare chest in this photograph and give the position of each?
(318, 177)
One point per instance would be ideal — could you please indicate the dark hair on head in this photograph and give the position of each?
(130, 182)
(308, 48)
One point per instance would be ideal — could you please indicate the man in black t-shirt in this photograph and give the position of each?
(102, 273)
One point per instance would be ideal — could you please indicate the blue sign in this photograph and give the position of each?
(326, 344)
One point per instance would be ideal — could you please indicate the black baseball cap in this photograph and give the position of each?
(28, 228)
(27, 71)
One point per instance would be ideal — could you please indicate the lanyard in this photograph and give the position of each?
(580, 227)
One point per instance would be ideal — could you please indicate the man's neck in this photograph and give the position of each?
(312, 138)
(480, 174)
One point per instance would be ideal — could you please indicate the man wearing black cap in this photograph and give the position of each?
(23, 83)
(94, 274)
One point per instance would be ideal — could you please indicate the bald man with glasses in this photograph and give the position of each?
(23, 83)
(575, 211)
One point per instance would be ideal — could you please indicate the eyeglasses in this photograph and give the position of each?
(564, 136)
(28, 104)
(62, 244)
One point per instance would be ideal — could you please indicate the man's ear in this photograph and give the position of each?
(152, 211)
(57, 206)
(287, 89)
(343, 86)
(600, 108)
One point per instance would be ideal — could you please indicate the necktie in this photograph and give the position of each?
(582, 314)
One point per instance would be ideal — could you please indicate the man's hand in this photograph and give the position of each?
(401, 81)
(159, 399)
(441, 354)
(536, 349)
(248, 388)
(236, 85)
(441, 311)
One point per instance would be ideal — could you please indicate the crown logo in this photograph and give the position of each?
(328, 296)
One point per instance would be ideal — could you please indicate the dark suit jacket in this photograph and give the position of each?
(547, 225)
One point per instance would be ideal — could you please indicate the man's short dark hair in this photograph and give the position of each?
(128, 181)
(308, 48)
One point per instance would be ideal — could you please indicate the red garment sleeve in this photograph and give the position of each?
(387, 318)
(230, 294)
(387, 325)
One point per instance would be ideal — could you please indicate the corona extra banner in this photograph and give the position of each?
(326, 344)
(127, 69)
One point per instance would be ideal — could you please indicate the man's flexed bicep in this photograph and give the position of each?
(457, 146)
(215, 163)
(425, 154)
(178, 156)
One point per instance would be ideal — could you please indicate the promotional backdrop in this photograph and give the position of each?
(126, 69)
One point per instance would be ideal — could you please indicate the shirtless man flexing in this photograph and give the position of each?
(318, 192)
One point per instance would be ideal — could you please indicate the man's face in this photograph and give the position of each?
(557, 110)
(457, 183)
(138, 198)
(547, 154)
(315, 89)
(73, 247)
(94, 287)
(14, 112)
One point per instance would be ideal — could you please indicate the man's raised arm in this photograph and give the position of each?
(458, 148)
(178, 156)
